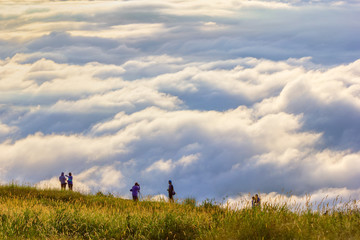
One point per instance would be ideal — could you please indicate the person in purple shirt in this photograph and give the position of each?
(135, 191)
(255, 201)
(62, 180)
(70, 181)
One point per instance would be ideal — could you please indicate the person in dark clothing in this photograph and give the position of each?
(171, 192)
(70, 181)
(62, 180)
(256, 201)
(135, 191)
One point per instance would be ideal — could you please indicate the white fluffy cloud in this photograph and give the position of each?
(221, 98)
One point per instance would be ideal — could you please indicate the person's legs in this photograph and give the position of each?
(70, 187)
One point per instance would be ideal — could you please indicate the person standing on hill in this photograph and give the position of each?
(135, 191)
(171, 192)
(256, 201)
(70, 181)
(62, 180)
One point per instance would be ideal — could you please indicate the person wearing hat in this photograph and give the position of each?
(171, 192)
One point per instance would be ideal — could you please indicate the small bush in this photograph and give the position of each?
(189, 202)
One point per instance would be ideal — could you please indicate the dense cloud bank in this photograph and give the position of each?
(247, 96)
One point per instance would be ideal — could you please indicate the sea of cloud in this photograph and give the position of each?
(221, 98)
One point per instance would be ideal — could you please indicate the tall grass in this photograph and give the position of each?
(28, 213)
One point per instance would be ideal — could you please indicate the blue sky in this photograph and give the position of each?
(222, 98)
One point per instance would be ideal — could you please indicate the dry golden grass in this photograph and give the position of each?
(28, 213)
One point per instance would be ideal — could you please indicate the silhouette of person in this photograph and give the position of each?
(70, 181)
(62, 180)
(135, 191)
(171, 191)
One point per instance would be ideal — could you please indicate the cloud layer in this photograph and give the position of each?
(222, 98)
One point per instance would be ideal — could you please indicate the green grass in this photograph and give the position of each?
(29, 213)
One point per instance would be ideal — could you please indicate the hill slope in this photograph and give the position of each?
(28, 213)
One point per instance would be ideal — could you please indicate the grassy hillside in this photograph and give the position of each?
(28, 213)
